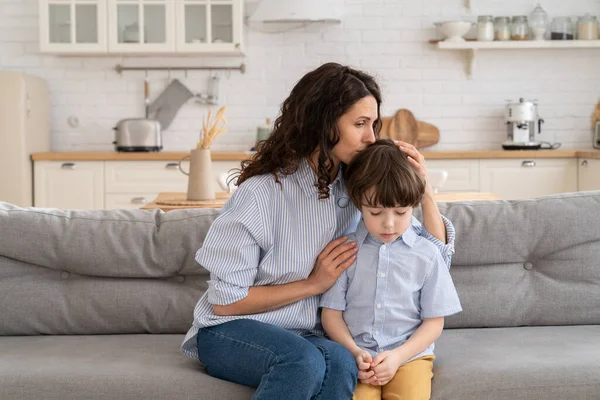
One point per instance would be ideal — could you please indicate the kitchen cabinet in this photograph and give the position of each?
(211, 26)
(72, 26)
(111, 184)
(463, 175)
(527, 178)
(589, 174)
(141, 26)
(69, 185)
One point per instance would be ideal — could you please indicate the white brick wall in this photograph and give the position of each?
(385, 37)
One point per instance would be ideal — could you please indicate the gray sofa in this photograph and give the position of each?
(95, 304)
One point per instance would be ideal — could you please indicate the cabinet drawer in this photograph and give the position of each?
(129, 200)
(528, 178)
(463, 175)
(69, 185)
(144, 177)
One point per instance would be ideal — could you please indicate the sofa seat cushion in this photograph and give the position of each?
(550, 363)
(106, 367)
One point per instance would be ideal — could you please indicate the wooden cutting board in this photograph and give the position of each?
(428, 135)
(403, 126)
(596, 115)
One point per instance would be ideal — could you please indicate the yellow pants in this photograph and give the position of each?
(411, 382)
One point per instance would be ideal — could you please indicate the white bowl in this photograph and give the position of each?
(454, 30)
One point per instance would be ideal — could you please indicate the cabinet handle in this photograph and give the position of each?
(139, 200)
(172, 165)
(528, 164)
(584, 163)
(68, 165)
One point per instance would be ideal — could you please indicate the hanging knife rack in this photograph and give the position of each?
(120, 68)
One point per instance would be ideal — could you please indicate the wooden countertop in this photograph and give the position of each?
(240, 156)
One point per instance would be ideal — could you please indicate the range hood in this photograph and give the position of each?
(295, 11)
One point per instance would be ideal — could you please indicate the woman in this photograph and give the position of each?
(272, 252)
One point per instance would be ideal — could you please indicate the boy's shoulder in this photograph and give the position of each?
(426, 249)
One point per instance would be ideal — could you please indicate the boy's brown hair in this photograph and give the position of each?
(385, 168)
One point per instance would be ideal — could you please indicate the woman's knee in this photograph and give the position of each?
(308, 362)
(342, 363)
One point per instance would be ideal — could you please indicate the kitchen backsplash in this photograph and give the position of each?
(385, 37)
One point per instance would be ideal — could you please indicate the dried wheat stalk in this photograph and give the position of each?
(211, 130)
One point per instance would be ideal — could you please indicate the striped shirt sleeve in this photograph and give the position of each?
(231, 250)
(446, 249)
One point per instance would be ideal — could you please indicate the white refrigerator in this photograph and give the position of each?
(24, 129)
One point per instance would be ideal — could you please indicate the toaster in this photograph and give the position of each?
(596, 142)
(138, 134)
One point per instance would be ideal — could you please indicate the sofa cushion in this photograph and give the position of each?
(106, 367)
(100, 272)
(527, 262)
(550, 363)
(113, 243)
(528, 363)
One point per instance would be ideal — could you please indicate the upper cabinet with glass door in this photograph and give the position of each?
(73, 26)
(209, 26)
(141, 26)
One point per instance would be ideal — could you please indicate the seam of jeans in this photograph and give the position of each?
(326, 357)
(245, 343)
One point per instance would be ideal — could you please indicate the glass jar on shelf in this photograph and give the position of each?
(502, 28)
(538, 22)
(485, 28)
(519, 28)
(587, 27)
(562, 29)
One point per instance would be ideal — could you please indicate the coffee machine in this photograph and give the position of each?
(521, 120)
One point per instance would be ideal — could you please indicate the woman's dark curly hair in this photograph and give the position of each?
(308, 121)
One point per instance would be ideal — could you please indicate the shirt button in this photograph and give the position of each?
(528, 266)
(377, 332)
(64, 275)
(310, 310)
(383, 247)
(382, 275)
(378, 305)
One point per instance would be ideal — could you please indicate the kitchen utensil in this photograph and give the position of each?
(454, 30)
(521, 119)
(404, 126)
(596, 115)
(138, 134)
(168, 103)
(146, 95)
(427, 135)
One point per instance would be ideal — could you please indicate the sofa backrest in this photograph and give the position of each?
(526, 262)
(99, 272)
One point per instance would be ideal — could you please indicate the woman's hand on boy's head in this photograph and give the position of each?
(414, 156)
(417, 160)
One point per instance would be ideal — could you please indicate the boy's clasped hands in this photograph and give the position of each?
(381, 369)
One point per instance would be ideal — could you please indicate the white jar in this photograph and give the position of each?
(485, 28)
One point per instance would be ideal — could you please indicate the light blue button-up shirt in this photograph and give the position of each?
(271, 233)
(390, 289)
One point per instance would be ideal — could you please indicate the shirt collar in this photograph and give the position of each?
(408, 237)
(307, 178)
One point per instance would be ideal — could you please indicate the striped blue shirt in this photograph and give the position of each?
(390, 289)
(271, 234)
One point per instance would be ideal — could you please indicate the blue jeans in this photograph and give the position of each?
(279, 363)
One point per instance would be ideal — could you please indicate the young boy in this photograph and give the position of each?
(389, 307)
